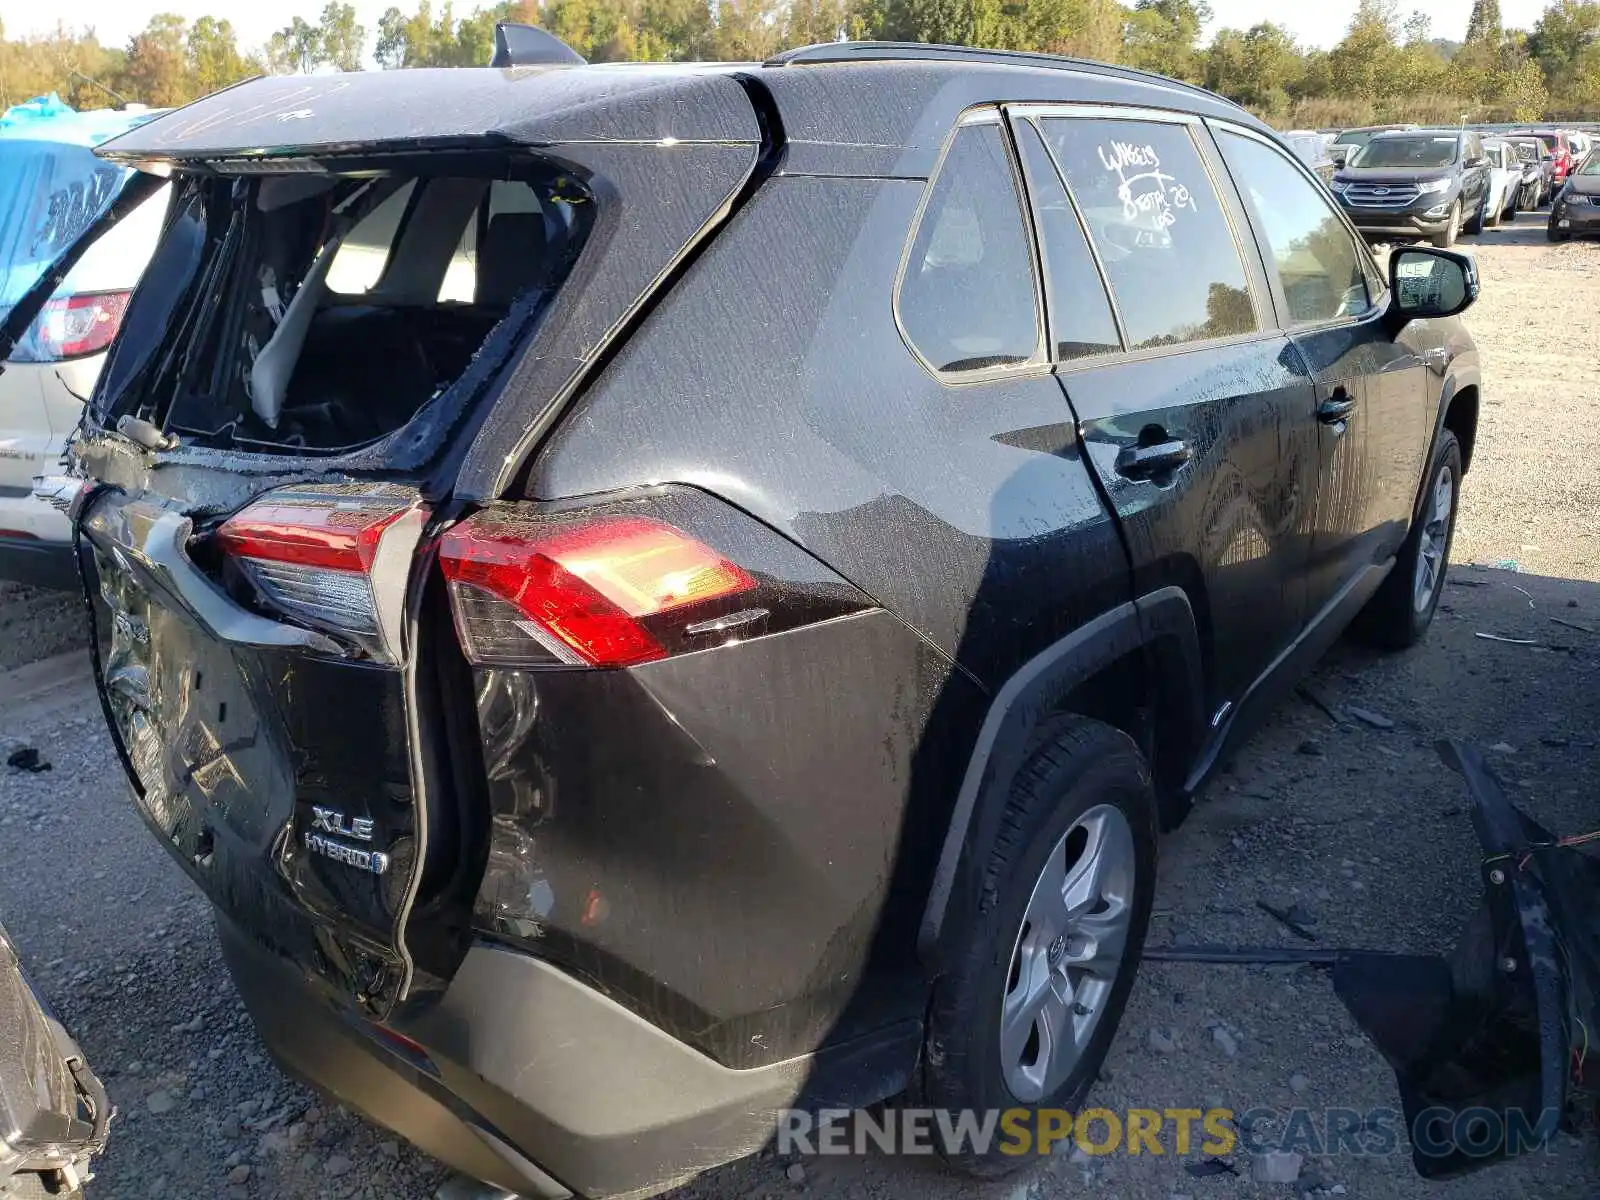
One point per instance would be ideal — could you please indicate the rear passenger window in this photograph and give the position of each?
(1159, 228)
(1318, 261)
(968, 299)
(1080, 313)
(514, 229)
(361, 257)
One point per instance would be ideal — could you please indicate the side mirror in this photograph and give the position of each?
(1476, 160)
(1425, 282)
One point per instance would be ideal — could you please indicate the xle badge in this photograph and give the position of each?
(330, 821)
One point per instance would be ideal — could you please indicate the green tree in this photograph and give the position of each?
(297, 47)
(943, 22)
(157, 67)
(745, 30)
(213, 56)
(1365, 65)
(1258, 68)
(342, 40)
(810, 21)
(1162, 36)
(1562, 43)
(1484, 23)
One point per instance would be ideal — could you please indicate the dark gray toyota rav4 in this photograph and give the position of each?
(650, 594)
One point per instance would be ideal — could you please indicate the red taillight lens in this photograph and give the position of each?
(577, 590)
(310, 550)
(310, 529)
(72, 326)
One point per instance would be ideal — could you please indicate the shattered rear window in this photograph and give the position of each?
(326, 311)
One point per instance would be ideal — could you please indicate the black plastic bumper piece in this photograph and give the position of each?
(527, 1079)
(38, 563)
(1483, 1041)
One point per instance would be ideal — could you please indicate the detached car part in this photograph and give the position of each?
(54, 1113)
(1492, 1042)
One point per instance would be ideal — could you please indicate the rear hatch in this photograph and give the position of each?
(326, 334)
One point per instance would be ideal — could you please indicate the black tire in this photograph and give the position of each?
(1447, 238)
(1555, 234)
(1475, 222)
(1391, 619)
(1078, 764)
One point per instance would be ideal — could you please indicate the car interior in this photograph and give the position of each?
(323, 311)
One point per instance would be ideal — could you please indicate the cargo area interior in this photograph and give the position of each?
(315, 312)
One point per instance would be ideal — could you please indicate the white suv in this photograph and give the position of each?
(52, 187)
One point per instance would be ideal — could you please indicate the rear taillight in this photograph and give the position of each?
(72, 326)
(603, 591)
(312, 552)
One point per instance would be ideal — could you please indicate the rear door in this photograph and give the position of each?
(1327, 289)
(1198, 425)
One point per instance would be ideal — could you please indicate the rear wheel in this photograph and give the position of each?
(1029, 1008)
(1476, 222)
(1401, 610)
(1452, 230)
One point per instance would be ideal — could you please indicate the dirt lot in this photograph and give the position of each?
(1357, 825)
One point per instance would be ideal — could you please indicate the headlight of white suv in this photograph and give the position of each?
(1435, 185)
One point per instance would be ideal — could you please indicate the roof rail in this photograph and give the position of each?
(848, 52)
(517, 45)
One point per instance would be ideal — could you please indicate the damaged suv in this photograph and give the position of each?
(647, 595)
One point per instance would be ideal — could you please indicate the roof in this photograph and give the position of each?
(445, 107)
(864, 108)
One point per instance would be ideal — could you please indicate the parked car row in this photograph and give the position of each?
(1438, 184)
(1406, 181)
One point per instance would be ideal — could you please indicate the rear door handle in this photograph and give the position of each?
(1143, 462)
(1339, 405)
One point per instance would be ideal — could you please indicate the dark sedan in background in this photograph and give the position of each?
(1576, 208)
(1350, 140)
(1538, 169)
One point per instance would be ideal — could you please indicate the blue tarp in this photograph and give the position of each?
(51, 184)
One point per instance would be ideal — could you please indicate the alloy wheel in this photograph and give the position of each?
(1435, 543)
(1068, 952)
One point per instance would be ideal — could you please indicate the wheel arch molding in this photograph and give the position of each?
(1155, 634)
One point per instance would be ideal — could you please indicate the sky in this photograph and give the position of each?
(1314, 23)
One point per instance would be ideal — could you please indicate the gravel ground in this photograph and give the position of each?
(1357, 825)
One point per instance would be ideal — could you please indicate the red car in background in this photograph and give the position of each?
(1564, 149)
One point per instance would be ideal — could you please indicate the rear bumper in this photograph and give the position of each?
(531, 1081)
